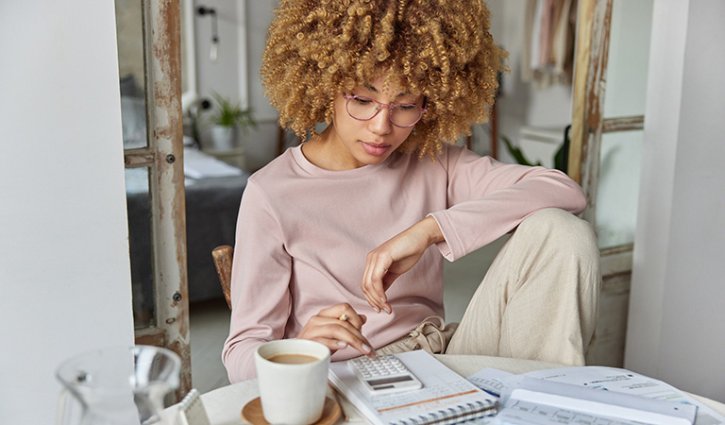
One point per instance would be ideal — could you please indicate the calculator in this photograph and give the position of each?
(384, 374)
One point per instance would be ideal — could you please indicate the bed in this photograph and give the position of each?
(213, 194)
(212, 204)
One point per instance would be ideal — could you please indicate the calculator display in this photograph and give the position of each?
(391, 380)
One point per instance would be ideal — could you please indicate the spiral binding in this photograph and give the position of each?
(452, 415)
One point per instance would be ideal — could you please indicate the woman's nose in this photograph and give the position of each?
(380, 124)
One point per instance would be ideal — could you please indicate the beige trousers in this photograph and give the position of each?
(537, 301)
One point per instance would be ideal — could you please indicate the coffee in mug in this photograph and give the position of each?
(292, 358)
(292, 378)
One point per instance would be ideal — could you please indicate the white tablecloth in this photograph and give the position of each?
(223, 405)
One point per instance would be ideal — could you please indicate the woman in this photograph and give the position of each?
(333, 236)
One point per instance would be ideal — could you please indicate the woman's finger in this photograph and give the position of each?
(367, 284)
(379, 270)
(373, 288)
(349, 335)
(332, 344)
(339, 331)
(351, 316)
(344, 312)
(323, 325)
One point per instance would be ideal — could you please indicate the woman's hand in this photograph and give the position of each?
(390, 260)
(337, 327)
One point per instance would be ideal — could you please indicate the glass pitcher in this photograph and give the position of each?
(117, 386)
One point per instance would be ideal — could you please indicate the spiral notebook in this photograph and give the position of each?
(445, 398)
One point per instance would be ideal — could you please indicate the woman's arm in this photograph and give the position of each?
(261, 299)
(486, 200)
(390, 260)
(261, 272)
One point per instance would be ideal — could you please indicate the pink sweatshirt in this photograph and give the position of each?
(303, 234)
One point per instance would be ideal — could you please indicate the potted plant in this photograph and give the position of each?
(227, 120)
(561, 157)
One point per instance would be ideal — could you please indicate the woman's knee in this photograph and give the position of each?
(570, 233)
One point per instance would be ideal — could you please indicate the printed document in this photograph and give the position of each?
(616, 385)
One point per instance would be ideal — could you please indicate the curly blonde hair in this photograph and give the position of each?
(442, 49)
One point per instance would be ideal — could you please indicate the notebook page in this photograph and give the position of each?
(444, 393)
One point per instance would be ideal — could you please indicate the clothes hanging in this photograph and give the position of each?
(548, 53)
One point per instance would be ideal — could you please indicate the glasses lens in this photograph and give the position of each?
(405, 115)
(361, 108)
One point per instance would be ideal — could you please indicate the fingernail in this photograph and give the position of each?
(388, 310)
(366, 348)
(341, 344)
(377, 310)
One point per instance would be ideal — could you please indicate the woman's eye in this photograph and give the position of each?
(362, 100)
(407, 106)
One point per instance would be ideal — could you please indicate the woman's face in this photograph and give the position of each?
(367, 142)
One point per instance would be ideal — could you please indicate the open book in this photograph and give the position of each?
(589, 394)
(446, 397)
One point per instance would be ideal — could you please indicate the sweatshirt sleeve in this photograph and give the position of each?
(261, 271)
(487, 199)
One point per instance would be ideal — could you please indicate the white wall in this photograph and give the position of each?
(522, 104)
(263, 140)
(625, 95)
(676, 320)
(64, 268)
(235, 74)
(222, 76)
(225, 75)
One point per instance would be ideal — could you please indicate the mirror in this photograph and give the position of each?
(132, 80)
(129, 30)
(188, 56)
(129, 26)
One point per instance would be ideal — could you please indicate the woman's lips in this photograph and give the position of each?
(375, 149)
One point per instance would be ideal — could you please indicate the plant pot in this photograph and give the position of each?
(224, 138)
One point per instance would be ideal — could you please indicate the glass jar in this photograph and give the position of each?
(117, 386)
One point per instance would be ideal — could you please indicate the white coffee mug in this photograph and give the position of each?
(292, 378)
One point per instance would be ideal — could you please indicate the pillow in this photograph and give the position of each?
(129, 87)
(133, 122)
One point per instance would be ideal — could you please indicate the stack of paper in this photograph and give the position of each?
(591, 395)
(445, 398)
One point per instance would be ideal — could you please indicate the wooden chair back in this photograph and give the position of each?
(223, 255)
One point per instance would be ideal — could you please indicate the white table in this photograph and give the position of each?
(224, 405)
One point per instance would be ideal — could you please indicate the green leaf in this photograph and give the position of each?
(561, 158)
(229, 114)
(517, 153)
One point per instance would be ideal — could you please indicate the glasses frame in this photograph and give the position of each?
(380, 106)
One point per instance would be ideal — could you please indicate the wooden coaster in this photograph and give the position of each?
(252, 412)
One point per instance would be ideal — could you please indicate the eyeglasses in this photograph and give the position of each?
(403, 115)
